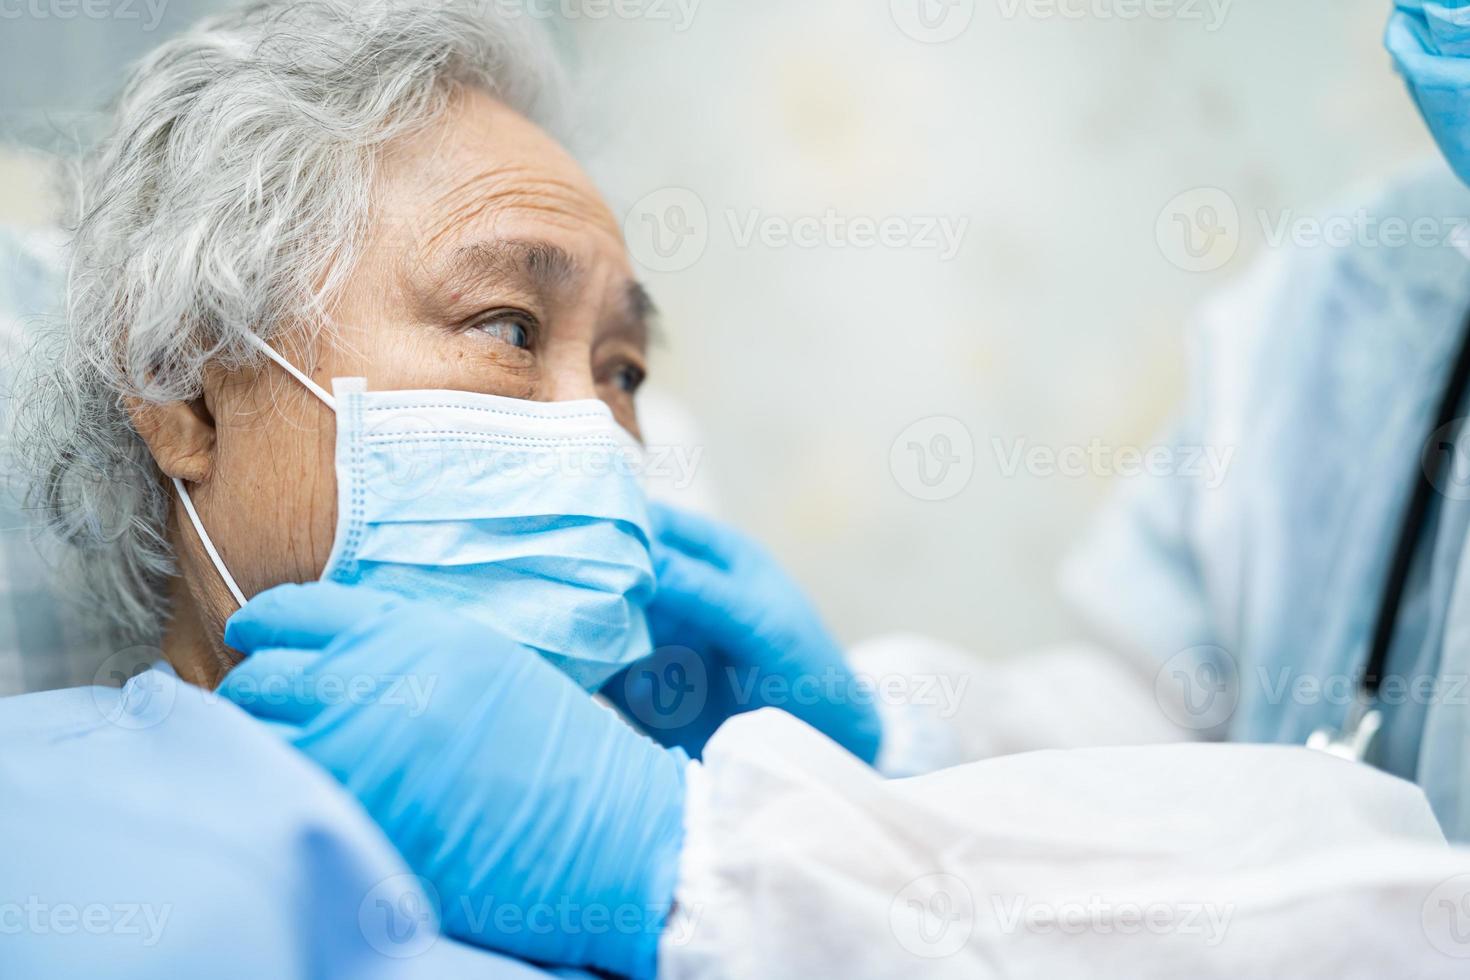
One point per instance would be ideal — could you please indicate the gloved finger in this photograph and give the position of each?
(696, 595)
(669, 628)
(695, 535)
(1449, 22)
(305, 616)
(284, 730)
(275, 684)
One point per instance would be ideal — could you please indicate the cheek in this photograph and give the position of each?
(423, 356)
(625, 411)
(273, 492)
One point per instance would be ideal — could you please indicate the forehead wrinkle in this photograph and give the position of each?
(517, 188)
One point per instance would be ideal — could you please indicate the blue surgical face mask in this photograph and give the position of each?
(1430, 44)
(529, 516)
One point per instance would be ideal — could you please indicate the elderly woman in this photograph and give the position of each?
(371, 194)
(340, 308)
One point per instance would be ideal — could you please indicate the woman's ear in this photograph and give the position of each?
(179, 434)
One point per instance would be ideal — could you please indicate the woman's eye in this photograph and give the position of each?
(507, 328)
(628, 378)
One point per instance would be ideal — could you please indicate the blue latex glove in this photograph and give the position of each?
(1430, 44)
(549, 828)
(734, 633)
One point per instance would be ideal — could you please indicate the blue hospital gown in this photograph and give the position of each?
(158, 830)
(1322, 371)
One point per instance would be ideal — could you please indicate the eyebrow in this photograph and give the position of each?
(546, 268)
(640, 318)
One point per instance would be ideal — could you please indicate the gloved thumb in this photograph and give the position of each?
(304, 616)
(275, 685)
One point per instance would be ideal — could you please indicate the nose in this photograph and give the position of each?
(566, 373)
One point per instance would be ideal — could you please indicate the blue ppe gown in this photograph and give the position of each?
(158, 830)
(1319, 374)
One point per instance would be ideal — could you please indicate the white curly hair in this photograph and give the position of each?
(231, 195)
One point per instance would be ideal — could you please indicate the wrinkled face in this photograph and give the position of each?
(493, 266)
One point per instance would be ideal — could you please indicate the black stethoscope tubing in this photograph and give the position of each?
(1427, 477)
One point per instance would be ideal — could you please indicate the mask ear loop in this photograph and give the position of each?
(292, 370)
(209, 548)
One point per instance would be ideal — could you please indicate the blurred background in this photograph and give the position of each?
(898, 242)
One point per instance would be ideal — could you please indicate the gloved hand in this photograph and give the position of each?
(550, 829)
(1430, 45)
(734, 633)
